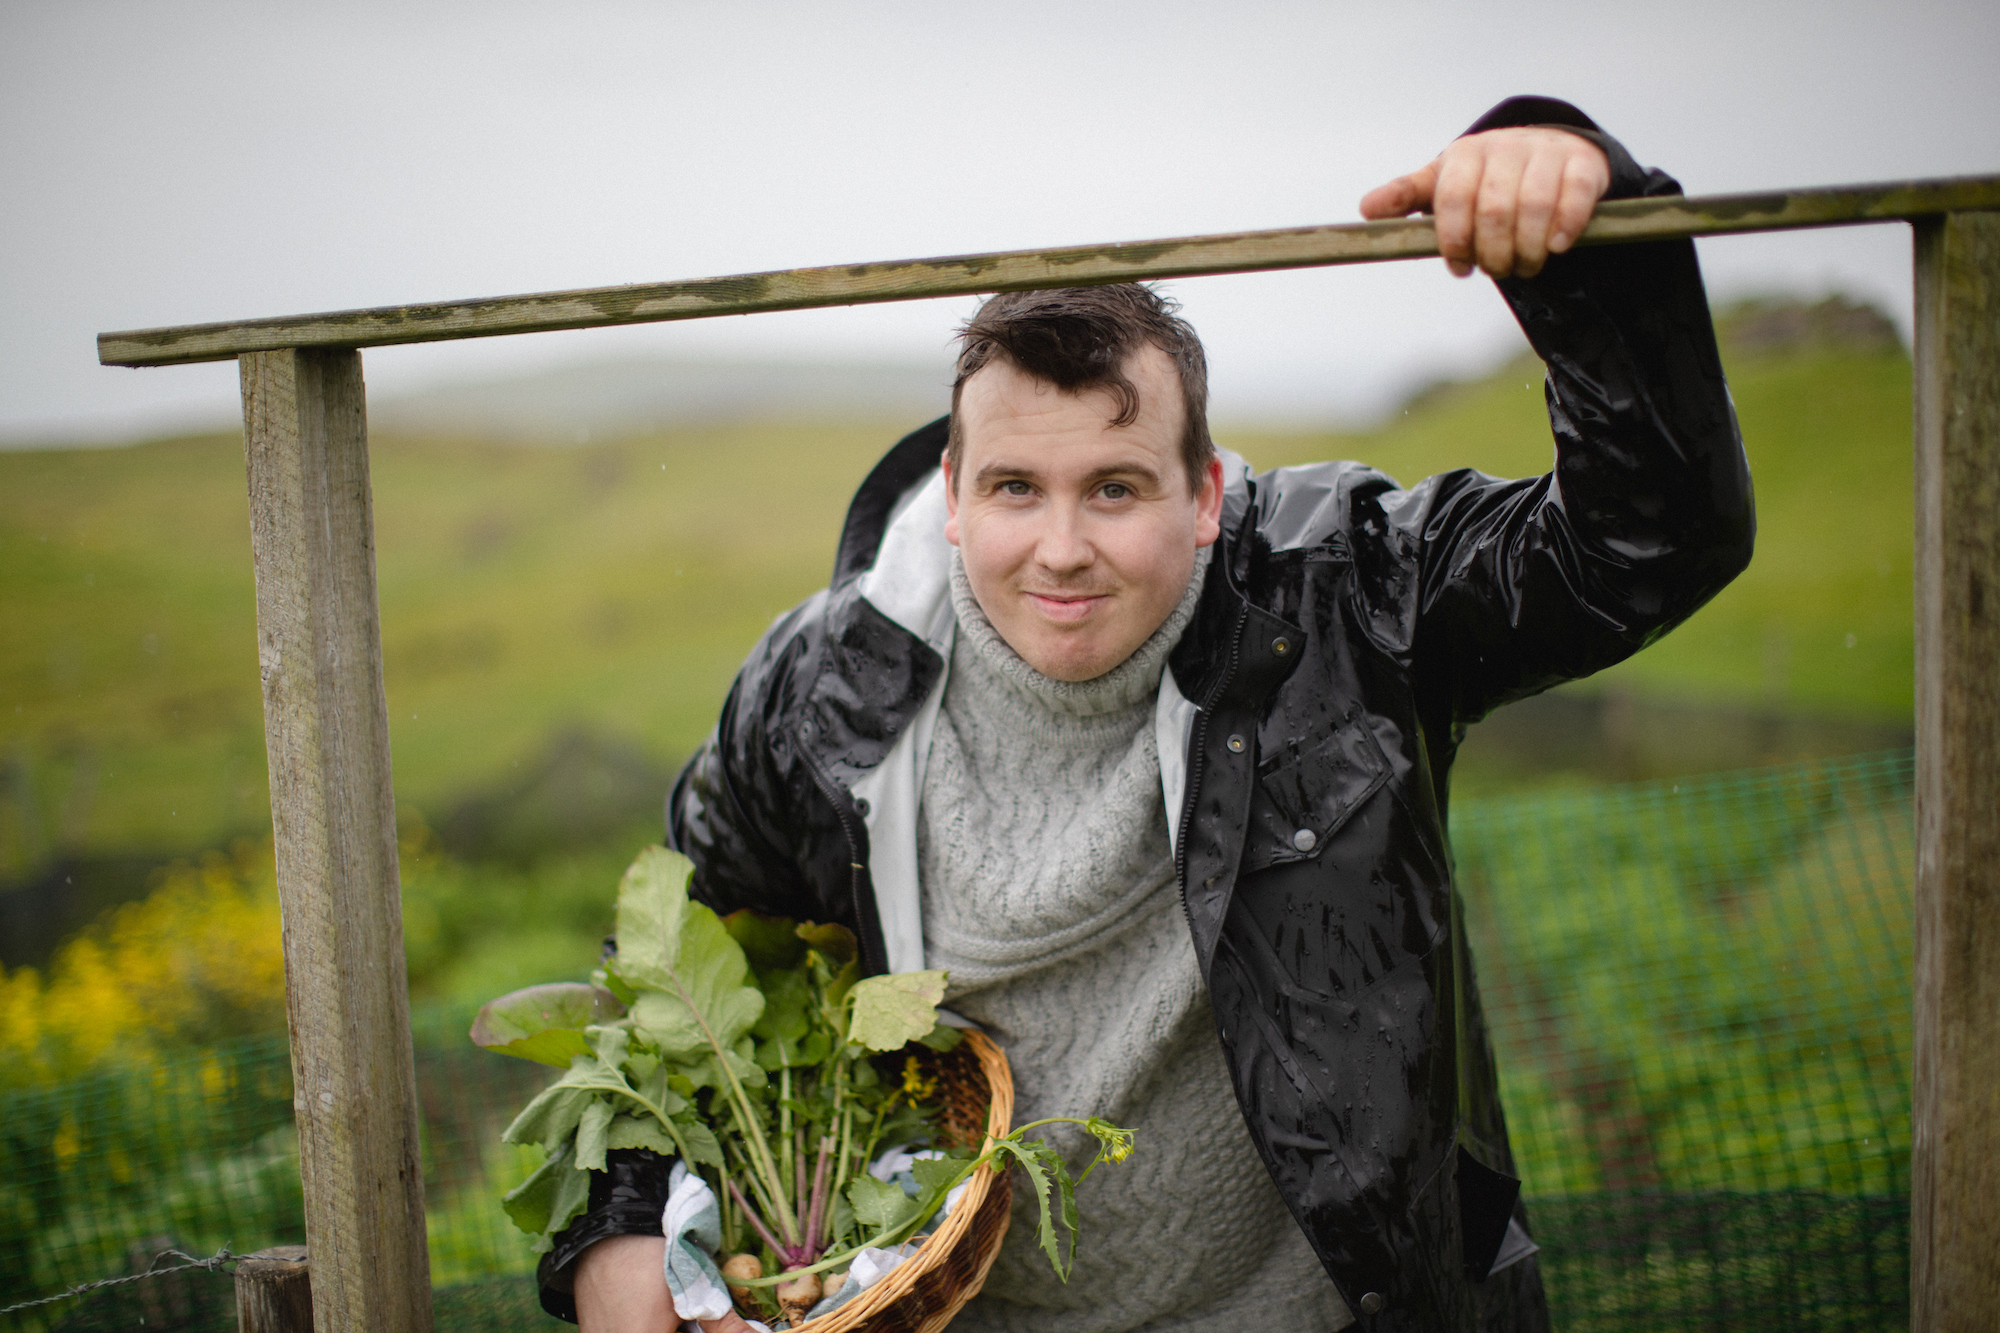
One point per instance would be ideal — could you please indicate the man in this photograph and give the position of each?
(1151, 754)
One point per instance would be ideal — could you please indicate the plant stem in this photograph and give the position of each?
(753, 1131)
(785, 1110)
(819, 1211)
(728, 1200)
(777, 1247)
(799, 1162)
(758, 1186)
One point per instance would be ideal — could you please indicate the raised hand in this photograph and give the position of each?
(1504, 200)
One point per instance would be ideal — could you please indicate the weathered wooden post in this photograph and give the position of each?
(1955, 1111)
(274, 1291)
(326, 727)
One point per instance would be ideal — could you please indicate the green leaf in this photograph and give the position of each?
(881, 1204)
(657, 1088)
(788, 1003)
(836, 989)
(772, 943)
(544, 1023)
(836, 943)
(942, 1039)
(786, 1020)
(936, 1175)
(652, 900)
(1034, 1161)
(545, 1202)
(694, 995)
(1060, 1170)
(891, 1011)
(529, 1202)
(608, 978)
(593, 1129)
(905, 1124)
(572, 1196)
(551, 1117)
(843, 1218)
(702, 1144)
(610, 1044)
(640, 1131)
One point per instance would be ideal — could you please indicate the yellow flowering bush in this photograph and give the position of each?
(199, 960)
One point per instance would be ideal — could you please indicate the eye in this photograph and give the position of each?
(1115, 490)
(1015, 488)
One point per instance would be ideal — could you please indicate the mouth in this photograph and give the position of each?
(1066, 608)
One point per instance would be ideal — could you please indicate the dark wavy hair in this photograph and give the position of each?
(1079, 338)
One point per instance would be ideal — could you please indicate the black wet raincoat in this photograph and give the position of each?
(1347, 634)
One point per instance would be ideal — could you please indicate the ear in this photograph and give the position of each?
(1208, 506)
(950, 500)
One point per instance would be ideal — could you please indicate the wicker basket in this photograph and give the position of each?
(927, 1289)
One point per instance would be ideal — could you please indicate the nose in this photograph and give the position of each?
(1062, 546)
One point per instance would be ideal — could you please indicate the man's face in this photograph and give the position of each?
(1078, 536)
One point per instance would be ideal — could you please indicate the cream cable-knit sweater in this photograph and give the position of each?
(1049, 893)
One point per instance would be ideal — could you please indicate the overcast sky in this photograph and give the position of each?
(168, 163)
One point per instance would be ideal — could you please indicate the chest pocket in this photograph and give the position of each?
(1311, 785)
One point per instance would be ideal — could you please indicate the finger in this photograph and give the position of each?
(1452, 200)
(1535, 209)
(1584, 182)
(1402, 196)
(1499, 200)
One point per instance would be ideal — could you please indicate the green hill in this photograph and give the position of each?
(611, 590)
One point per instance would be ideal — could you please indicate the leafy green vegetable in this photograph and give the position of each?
(545, 1023)
(771, 943)
(549, 1200)
(881, 1204)
(833, 941)
(551, 1118)
(694, 998)
(752, 1048)
(891, 1011)
(631, 1131)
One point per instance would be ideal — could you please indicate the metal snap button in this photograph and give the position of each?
(1372, 1303)
(1281, 646)
(1236, 745)
(861, 806)
(1305, 840)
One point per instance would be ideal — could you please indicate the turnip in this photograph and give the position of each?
(738, 1266)
(796, 1295)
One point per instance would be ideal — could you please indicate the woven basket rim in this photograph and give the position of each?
(932, 1250)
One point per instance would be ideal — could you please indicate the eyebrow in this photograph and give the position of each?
(1005, 471)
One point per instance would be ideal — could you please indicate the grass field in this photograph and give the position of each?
(615, 587)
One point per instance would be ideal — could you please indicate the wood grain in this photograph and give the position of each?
(1955, 1157)
(959, 275)
(326, 730)
(274, 1291)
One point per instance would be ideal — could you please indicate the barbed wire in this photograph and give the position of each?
(214, 1263)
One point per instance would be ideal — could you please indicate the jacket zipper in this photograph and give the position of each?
(1199, 761)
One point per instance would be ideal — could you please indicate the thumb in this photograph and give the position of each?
(729, 1323)
(1401, 196)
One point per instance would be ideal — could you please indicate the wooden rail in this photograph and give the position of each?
(1069, 266)
(326, 724)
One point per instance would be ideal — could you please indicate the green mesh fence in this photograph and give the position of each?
(1700, 993)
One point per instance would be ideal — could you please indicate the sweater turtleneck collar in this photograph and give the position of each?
(1131, 682)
